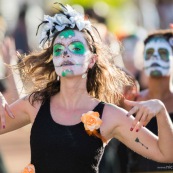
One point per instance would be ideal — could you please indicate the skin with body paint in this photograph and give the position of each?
(71, 54)
(67, 34)
(158, 57)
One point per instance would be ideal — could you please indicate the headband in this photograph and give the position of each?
(66, 18)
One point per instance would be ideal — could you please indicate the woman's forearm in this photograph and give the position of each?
(165, 134)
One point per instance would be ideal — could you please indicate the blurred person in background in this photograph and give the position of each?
(7, 82)
(2, 84)
(128, 43)
(132, 57)
(20, 32)
(8, 57)
(158, 67)
(164, 8)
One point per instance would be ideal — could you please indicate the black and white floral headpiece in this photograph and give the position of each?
(66, 18)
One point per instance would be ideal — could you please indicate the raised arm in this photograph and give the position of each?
(131, 132)
(16, 115)
(8, 52)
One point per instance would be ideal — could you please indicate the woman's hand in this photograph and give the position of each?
(144, 111)
(4, 108)
(8, 50)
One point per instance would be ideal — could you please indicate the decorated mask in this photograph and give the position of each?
(158, 57)
(71, 54)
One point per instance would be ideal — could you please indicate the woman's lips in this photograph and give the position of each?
(66, 63)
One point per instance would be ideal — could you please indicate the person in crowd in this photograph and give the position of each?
(158, 66)
(72, 104)
(20, 32)
(7, 82)
(132, 55)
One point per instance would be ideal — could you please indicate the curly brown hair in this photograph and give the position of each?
(104, 81)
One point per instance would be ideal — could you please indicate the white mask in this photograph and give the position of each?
(158, 57)
(71, 55)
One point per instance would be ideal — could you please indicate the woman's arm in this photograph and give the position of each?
(16, 115)
(131, 132)
(8, 52)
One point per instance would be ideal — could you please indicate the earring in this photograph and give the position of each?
(57, 78)
(84, 75)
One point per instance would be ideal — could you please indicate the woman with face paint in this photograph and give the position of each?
(158, 65)
(72, 102)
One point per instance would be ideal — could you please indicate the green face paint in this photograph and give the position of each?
(149, 53)
(67, 33)
(156, 73)
(164, 54)
(77, 48)
(67, 73)
(58, 49)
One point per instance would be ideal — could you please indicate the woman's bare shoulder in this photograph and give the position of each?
(112, 117)
(114, 110)
(25, 106)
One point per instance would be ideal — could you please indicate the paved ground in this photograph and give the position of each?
(15, 149)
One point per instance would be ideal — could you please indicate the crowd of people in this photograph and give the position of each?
(88, 111)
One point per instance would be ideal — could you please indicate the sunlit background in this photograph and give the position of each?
(123, 18)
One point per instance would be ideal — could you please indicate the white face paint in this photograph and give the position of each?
(158, 58)
(71, 54)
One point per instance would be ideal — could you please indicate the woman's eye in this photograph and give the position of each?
(77, 48)
(164, 54)
(149, 54)
(58, 49)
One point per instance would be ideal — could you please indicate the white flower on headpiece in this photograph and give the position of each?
(61, 21)
(46, 29)
(68, 10)
(49, 23)
(80, 22)
(69, 18)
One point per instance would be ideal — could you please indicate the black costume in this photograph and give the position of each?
(57, 148)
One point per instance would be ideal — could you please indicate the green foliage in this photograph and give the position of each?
(90, 3)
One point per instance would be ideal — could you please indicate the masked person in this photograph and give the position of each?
(158, 66)
(71, 102)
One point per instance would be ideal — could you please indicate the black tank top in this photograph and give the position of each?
(57, 148)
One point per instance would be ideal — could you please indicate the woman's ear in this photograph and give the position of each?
(93, 60)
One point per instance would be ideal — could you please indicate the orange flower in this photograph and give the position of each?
(29, 169)
(92, 122)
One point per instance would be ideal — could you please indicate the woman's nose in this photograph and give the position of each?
(155, 55)
(66, 54)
